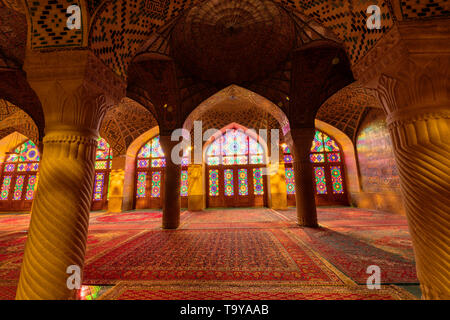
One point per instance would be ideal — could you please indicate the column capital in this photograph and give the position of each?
(75, 87)
(419, 91)
(416, 41)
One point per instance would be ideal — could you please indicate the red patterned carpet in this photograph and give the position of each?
(262, 251)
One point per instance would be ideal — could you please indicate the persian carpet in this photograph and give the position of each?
(243, 291)
(352, 255)
(12, 246)
(222, 254)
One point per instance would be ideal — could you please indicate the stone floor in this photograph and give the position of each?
(244, 253)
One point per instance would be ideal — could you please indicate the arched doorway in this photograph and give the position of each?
(19, 177)
(328, 171)
(103, 158)
(150, 164)
(234, 163)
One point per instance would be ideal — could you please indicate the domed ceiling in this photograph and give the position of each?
(233, 41)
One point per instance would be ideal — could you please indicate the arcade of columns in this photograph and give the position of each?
(408, 68)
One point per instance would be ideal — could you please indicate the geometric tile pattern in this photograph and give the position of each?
(121, 28)
(49, 24)
(347, 108)
(412, 9)
(124, 123)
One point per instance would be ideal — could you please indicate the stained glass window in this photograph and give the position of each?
(228, 182)
(321, 184)
(242, 182)
(6, 184)
(184, 183)
(213, 182)
(156, 184)
(234, 147)
(98, 185)
(18, 187)
(258, 182)
(141, 185)
(21, 168)
(103, 158)
(324, 155)
(290, 182)
(336, 180)
(31, 186)
(151, 162)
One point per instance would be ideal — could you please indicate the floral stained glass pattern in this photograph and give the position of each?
(141, 185)
(234, 147)
(321, 185)
(156, 184)
(213, 182)
(184, 183)
(228, 182)
(243, 182)
(333, 157)
(290, 181)
(98, 185)
(31, 186)
(336, 180)
(17, 195)
(258, 182)
(6, 185)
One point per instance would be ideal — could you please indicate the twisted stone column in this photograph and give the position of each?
(304, 188)
(72, 87)
(60, 215)
(171, 188)
(417, 105)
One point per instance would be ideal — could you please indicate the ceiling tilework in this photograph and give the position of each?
(346, 109)
(14, 119)
(13, 37)
(413, 9)
(124, 123)
(121, 28)
(49, 29)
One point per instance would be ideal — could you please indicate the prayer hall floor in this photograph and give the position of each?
(245, 253)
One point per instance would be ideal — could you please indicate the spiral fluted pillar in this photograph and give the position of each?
(75, 90)
(304, 188)
(417, 105)
(60, 215)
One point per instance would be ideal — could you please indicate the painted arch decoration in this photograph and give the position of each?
(326, 158)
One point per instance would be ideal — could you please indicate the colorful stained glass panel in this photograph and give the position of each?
(228, 182)
(317, 157)
(290, 181)
(143, 163)
(17, 195)
(321, 185)
(10, 167)
(156, 184)
(6, 185)
(101, 165)
(98, 186)
(214, 182)
(158, 163)
(31, 187)
(141, 185)
(184, 183)
(336, 180)
(258, 182)
(333, 157)
(243, 182)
